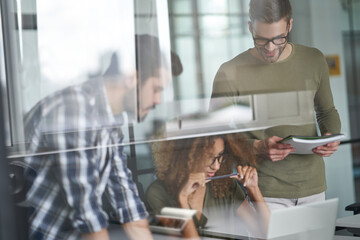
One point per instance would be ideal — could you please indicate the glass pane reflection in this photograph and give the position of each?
(54, 69)
(3, 89)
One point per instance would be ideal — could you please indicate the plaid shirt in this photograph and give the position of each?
(74, 153)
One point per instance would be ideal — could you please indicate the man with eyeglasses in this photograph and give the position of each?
(275, 65)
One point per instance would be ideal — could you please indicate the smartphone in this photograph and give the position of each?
(167, 224)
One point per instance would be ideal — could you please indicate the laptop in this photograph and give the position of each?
(311, 221)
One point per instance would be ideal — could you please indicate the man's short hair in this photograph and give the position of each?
(270, 11)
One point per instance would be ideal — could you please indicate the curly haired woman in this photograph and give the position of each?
(183, 169)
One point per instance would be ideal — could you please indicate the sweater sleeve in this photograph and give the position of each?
(326, 113)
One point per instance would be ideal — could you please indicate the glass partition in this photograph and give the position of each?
(4, 91)
(165, 73)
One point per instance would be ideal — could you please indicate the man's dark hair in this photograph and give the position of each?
(113, 69)
(270, 11)
(149, 58)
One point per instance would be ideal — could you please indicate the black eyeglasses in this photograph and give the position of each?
(219, 158)
(264, 41)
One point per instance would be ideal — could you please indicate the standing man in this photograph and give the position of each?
(75, 154)
(275, 65)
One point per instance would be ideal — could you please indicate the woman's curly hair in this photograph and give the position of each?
(176, 159)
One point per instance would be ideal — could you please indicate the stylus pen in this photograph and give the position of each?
(223, 176)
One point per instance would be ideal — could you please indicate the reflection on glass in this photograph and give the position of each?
(238, 6)
(3, 89)
(214, 25)
(101, 103)
(183, 26)
(212, 57)
(188, 86)
(212, 6)
(51, 62)
(220, 36)
(235, 26)
(241, 43)
(196, 119)
(181, 6)
(85, 51)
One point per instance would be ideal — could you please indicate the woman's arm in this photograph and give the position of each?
(195, 182)
(191, 195)
(257, 218)
(262, 212)
(138, 229)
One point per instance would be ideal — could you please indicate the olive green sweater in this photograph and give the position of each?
(305, 70)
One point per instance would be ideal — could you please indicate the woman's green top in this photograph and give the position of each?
(157, 197)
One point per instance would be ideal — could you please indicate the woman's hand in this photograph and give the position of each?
(247, 176)
(185, 198)
(195, 181)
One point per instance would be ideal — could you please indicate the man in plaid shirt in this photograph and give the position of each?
(75, 153)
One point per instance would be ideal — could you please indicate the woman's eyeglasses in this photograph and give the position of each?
(219, 158)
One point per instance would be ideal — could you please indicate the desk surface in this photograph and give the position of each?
(349, 222)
